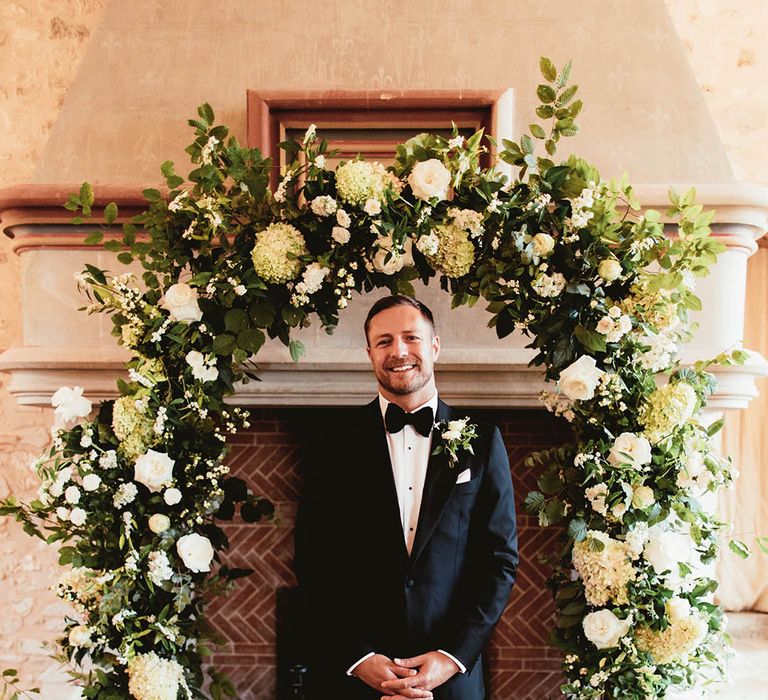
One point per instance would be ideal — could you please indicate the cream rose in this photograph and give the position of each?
(631, 449)
(609, 269)
(604, 629)
(665, 550)
(340, 235)
(196, 552)
(579, 380)
(70, 404)
(379, 260)
(428, 179)
(159, 523)
(678, 608)
(91, 482)
(172, 496)
(180, 300)
(78, 516)
(80, 636)
(153, 469)
(543, 244)
(643, 497)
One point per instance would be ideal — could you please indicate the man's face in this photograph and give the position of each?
(403, 350)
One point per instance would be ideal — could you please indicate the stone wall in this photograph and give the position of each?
(42, 43)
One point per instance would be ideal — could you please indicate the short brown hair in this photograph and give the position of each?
(398, 300)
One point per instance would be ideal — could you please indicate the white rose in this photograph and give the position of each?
(91, 482)
(78, 516)
(342, 218)
(690, 475)
(678, 608)
(62, 513)
(196, 552)
(195, 358)
(80, 636)
(153, 469)
(72, 494)
(180, 300)
(665, 550)
(372, 206)
(172, 496)
(451, 435)
(57, 487)
(578, 380)
(428, 179)
(604, 629)
(70, 404)
(631, 449)
(340, 234)
(457, 425)
(643, 497)
(609, 269)
(618, 511)
(391, 266)
(543, 244)
(159, 523)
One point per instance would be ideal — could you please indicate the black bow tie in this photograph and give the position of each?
(395, 418)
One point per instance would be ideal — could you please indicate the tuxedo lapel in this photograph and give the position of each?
(380, 476)
(438, 485)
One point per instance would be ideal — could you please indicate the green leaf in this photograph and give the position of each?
(739, 548)
(152, 195)
(224, 344)
(577, 529)
(125, 258)
(526, 144)
(590, 340)
(110, 213)
(533, 501)
(86, 195)
(235, 320)
(715, 427)
(537, 131)
(206, 113)
(548, 69)
(296, 348)
(250, 339)
(546, 94)
(94, 238)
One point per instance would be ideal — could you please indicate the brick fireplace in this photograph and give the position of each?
(521, 663)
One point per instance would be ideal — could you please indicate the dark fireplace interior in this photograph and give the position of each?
(259, 619)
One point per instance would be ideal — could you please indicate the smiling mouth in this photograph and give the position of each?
(401, 368)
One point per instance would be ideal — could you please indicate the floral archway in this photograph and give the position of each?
(131, 495)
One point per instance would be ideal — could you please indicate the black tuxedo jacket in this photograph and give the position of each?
(364, 593)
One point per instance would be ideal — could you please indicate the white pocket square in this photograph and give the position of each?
(464, 476)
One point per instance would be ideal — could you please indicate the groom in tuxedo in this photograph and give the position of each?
(405, 562)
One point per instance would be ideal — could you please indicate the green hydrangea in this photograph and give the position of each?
(132, 426)
(667, 408)
(357, 181)
(271, 253)
(455, 252)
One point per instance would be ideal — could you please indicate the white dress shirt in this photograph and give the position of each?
(409, 454)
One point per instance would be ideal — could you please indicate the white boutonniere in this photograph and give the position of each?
(454, 436)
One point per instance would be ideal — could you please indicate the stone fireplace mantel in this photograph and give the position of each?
(62, 346)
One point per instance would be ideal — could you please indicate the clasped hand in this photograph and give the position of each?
(401, 679)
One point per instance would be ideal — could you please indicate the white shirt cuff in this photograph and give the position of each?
(462, 667)
(358, 662)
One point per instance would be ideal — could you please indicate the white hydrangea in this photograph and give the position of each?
(151, 677)
(549, 285)
(159, 567)
(125, 494)
(428, 245)
(323, 205)
(468, 220)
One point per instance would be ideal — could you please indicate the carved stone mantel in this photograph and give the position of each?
(62, 346)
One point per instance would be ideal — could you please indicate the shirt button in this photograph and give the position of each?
(409, 583)
(410, 488)
(411, 529)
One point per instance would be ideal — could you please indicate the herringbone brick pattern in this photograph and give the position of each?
(521, 664)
